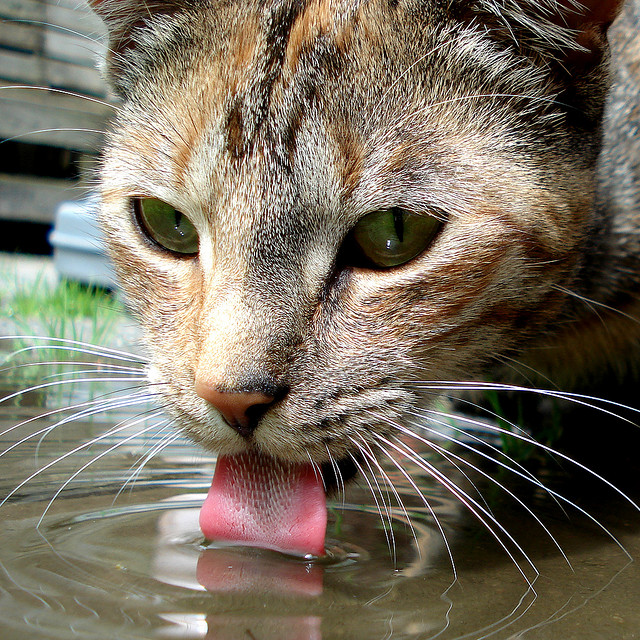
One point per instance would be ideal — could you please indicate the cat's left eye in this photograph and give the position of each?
(167, 226)
(389, 238)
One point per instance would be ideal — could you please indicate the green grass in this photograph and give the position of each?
(548, 432)
(65, 309)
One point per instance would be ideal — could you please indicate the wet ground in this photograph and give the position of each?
(102, 541)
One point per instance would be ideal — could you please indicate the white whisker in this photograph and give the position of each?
(168, 439)
(577, 398)
(33, 132)
(85, 445)
(447, 455)
(58, 383)
(97, 408)
(419, 493)
(429, 413)
(337, 473)
(483, 516)
(65, 92)
(554, 452)
(385, 518)
(74, 345)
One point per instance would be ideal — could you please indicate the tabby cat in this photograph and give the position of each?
(323, 212)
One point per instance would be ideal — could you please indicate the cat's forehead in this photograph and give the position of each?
(254, 110)
(271, 86)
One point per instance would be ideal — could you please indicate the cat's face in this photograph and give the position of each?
(301, 140)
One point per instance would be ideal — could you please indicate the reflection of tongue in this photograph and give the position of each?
(258, 500)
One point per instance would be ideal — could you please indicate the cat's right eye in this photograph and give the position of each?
(167, 226)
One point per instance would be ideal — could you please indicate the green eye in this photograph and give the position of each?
(167, 226)
(391, 237)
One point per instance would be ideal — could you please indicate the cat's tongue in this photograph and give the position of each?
(260, 501)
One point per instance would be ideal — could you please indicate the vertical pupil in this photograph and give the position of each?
(398, 224)
(178, 218)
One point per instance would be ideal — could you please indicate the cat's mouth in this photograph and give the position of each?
(258, 500)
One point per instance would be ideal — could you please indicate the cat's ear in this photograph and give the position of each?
(121, 17)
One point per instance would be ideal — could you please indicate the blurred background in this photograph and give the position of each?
(51, 132)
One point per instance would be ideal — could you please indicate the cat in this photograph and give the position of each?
(326, 212)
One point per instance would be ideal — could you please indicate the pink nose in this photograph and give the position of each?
(240, 409)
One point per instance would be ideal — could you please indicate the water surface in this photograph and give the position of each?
(118, 553)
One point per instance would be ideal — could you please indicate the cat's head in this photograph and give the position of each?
(314, 204)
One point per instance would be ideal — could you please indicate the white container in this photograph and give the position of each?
(78, 246)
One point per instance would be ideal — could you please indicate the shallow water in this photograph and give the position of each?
(117, 559)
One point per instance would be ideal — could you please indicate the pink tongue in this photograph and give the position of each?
(258, 500)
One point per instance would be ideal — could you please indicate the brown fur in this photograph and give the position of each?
(276, 126)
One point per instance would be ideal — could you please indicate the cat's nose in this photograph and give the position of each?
(241, 410)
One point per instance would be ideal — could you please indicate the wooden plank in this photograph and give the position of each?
(21, 36)
(51, 38)
(75, 15)
(25, 113)
(36, 70)
(23, 9)
(72, 48)
(33, 199)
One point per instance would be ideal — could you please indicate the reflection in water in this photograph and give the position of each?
(131, 564)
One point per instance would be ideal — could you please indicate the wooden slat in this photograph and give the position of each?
(23, 9)
(60, 45)
(20, 36)
(75, 15)
(52, 31)
(33, 69)
(51, 44)
(33, 199)
(23, 111)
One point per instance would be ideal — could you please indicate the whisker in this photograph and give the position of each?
(447, 455)
(33, 132)
(317, 471)
(427, 504)
(94, 407)
(477, 423)
(74, 363)
(147, 395)
(517, 366)
(482, 96)
(484, 517)
(407, 70)
(554, 452)
(421, 496)
(107, 434)
(168, 439)
(74, 346)
(66, 92)
(62, 29)
(387, 526)
(337, 473)
(59, 383)
(451, 462)
(577, 398)
(591, 303)
(554, 494)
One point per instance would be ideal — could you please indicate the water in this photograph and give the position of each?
(117, 559)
